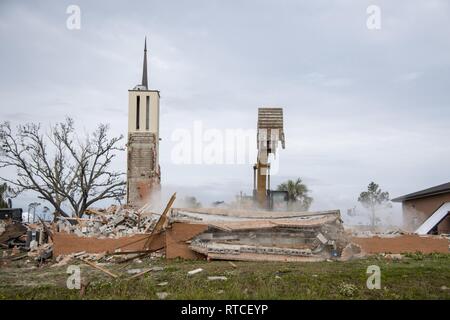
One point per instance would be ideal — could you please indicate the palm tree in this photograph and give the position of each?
(297, 193)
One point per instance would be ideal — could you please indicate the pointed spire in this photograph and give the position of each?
(144, 71)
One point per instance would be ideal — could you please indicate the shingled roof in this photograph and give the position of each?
(442, 188)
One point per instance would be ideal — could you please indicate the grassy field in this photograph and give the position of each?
(415, 276)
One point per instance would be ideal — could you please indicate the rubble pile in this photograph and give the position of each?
(114, 222)
(34, 241)
(368, 232)
(121, 234)
(24, 241)
(11, 233)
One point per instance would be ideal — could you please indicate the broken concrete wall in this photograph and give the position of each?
(176, 240)
(64, 243)
(402, 244)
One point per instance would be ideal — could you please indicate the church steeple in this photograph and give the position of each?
(143, 172)
(144, 71)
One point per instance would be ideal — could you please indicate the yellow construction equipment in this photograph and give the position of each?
(270, 133)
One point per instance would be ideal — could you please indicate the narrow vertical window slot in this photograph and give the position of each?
(137, 111)
(147, 113)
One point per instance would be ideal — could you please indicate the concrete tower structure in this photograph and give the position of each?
(143, 171)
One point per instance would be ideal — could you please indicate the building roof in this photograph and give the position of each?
(442, 188)
(271, 119)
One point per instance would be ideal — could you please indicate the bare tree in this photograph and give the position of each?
(60, 167)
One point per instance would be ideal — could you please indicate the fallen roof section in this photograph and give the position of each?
(210, 214)
(313, 221)
(434, 219)
(301, 236)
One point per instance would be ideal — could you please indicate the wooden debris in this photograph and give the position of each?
(84, 287)
(100, 268)
(19, 257)
(162, 218)
(133, 257)
(161, 222)
(46, 229)
(118, 253)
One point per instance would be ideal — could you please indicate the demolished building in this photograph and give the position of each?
(264, 235)
(210, 234)
(223, 234)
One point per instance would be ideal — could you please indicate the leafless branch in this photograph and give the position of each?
(61, 168)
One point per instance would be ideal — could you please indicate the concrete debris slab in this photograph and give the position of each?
(322, 238)
(214, 278)
(192, 272)
(134, 271)
(157, 268)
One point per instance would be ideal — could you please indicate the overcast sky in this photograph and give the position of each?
(359, 104)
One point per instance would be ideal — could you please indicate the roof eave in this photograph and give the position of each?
(412, 197)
